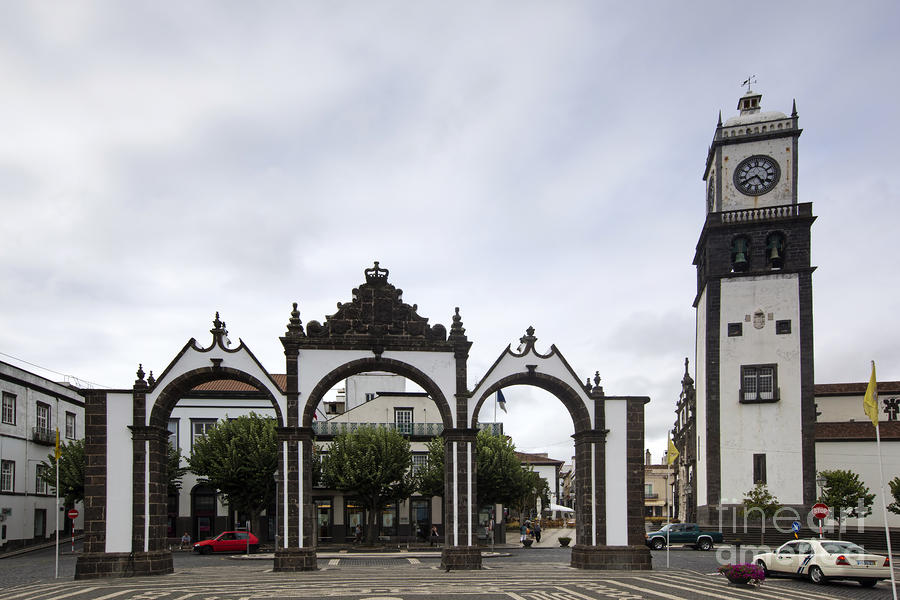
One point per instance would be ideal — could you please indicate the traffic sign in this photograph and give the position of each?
(795, 526)
(819, 511)
(73, 513)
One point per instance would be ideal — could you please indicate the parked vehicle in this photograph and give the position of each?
(683, 534)
(821, 560)
(228, 541)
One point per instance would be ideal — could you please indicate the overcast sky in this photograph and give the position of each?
(534, 163)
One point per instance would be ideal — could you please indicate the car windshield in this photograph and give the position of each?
(842, 548)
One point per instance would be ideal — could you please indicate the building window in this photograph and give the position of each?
(783, 327)
(200, 428)
(370, 396)
(419, 461)
(735, 329)
(7, 475)
(70, 425)
(9, 408)
(43, 417)
(648, 489)
(40, 485)
(403, 419)
(172, 426)
(759, 383)
(759, 468)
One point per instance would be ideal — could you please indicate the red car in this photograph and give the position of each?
(228, 541)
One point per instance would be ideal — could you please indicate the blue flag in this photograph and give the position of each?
(501, 401)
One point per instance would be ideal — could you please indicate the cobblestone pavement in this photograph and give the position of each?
(542, 574)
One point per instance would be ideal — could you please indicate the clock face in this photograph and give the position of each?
(756, 175)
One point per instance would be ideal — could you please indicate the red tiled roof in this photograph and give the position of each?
(862, 431)
(537, 459)
(840, 389)
(230, 385)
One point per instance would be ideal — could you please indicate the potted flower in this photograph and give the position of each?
(564, 540)
(743, 574)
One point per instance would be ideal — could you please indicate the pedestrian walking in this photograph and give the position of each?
(536, 528)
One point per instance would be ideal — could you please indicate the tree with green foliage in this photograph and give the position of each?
(431, 476)
(374, 465)
(239, 457)
(174, 470)
(71, 472)
(894, 506)
(501, 478)
(846, 495)
(760, 503)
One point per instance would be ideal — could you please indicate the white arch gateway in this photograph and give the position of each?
(125, 492)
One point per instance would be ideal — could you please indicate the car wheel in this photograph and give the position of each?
(868, 582)
(657, 544)
(206, 550)
(254, 548)
(762, 565)
(705, 544)
(816, 575)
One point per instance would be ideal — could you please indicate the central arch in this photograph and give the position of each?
(387, 365)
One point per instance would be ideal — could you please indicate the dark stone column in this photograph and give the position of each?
(590, 505)
(296, 556)
(459, 552)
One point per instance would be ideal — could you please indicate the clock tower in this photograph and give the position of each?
(755, 406)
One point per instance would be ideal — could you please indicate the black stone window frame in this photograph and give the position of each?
(735, 329)
(9, 408)
(759, 469)
(783, 327)
(759, 384)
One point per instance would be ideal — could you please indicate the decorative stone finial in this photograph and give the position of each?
(457, 331)
(219, 332)
(151, 380)
(719, 124)
(140, 372)
(794, 110)
(376, 276)
(526, 342)
(295, 325)
(598, 389)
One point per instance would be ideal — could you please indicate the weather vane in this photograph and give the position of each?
(748, 82)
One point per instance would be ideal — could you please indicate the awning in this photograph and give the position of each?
(559, 508)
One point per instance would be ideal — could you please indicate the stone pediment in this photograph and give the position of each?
(376, 317)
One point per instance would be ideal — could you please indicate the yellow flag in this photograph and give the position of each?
(57, 444)
(673, 452)
(870, 402)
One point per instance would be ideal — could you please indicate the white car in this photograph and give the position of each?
(822, 560)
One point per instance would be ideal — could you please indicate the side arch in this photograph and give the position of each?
(181, 385)
(388, 365)
(559, 388)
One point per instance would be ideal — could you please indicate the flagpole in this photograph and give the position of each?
(56, 520)
(887, 531)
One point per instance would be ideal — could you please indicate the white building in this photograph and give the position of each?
(32, 409)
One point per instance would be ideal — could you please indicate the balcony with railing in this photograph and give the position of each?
(765, 213)
(428, 430)
(43, 435)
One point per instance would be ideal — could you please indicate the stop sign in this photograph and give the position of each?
(73, 514)
(819, 511)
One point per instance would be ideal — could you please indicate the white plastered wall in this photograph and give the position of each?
(616, 472)
(773, 429)
(701, 393)
(862, 459)
(119, 476)
(732, 154)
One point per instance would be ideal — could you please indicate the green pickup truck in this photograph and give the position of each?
(684, 534)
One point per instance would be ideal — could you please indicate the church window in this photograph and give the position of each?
(759, 468)
(759, 383)
(735, 329)
(740, 254)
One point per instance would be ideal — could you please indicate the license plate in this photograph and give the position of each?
(867, 563)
